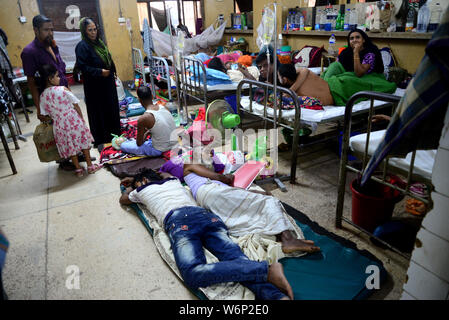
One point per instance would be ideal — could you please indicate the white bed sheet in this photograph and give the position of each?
(424, 159)
(328, 114)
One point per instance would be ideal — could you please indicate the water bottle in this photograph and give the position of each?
(332, 49)
(346, 21)
(297, 20)
(323, 20)
(317, 20)
(301, 23)
(237, 22)
(353, 19)
(423, 18)
(334, 19)
(435, 17)
(410, 23)
(182, 117)
(328, 26)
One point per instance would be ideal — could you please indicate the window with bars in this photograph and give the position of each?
(185, 12)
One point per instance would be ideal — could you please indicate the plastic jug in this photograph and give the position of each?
(435, 17)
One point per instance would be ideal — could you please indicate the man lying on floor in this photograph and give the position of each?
(190, 227)
(242, 211)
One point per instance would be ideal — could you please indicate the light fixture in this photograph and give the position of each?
(22, 18)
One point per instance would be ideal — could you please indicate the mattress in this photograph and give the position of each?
(424, 159)
(330, 113)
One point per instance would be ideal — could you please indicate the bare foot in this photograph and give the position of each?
(277, 278)
(291, 244)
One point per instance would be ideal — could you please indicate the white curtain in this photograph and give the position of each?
(67, 41)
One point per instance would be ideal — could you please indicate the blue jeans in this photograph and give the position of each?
(191, 228)
(147, 149)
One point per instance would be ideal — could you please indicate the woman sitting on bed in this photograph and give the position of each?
(361, 55)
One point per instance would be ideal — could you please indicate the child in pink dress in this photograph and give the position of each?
(71, 132)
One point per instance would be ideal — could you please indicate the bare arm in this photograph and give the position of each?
(124, 198)
(300, 78)
(77, 108)
(359, 68)
(143, 123)
(245, 72)
(205, 172)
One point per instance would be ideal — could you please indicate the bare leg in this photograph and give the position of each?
(87, 157)
(277, 278)
(75, 162)
(291, 244)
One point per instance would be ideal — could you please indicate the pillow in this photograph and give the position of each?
(308, 57)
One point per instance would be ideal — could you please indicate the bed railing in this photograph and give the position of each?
(193, 80)
(344, 165)
(277, 115)
(138, 64)
(160, 70)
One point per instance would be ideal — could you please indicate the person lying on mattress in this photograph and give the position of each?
(235, 70)
(157, 121)
(190, 228)
(242, 211)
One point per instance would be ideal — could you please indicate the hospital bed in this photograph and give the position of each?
(298, 117)
(157, 69)
(416, 166)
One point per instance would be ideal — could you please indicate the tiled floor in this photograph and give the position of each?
(55, 220)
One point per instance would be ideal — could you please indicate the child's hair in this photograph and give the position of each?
(216, 64)
(45, 72)
(150, 174)
(144, 93)
(288, 70)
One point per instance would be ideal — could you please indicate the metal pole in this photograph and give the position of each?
(174, 60)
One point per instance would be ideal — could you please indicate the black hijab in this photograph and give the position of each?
(346, 57)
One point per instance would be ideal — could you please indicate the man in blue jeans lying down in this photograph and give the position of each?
(190, 227)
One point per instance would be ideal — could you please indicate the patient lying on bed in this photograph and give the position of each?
(242, 211)
(190, 227)
(305, 83)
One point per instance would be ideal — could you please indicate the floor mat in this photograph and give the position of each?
(338, 272)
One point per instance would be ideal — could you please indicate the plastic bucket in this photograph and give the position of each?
(374, 207)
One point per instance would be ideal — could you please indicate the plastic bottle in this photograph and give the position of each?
(328, 26)
(410, 23)
(353, 19)
(423, 19)
(338, 25)
(323, 20)
(334, 19)
(346, 20)
(317, 20)
(435, 17)
(182, 117)
(301, 23)
(332, 49)
(297, 20)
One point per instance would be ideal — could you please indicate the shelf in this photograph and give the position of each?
(237, 31)
(374, 35)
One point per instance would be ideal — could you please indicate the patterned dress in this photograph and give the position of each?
(71, 133)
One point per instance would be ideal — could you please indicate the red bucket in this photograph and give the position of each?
(374, 206)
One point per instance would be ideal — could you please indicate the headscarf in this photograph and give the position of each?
(245, 60)
(346, 57)
(98, 45)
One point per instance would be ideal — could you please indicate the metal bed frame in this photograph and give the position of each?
(276, 119)
(194, 88)
(345, 166)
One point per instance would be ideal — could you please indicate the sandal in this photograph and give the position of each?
(94, 168)
(79, 172)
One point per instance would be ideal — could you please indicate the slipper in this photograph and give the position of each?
(79, 172)
(94, 168)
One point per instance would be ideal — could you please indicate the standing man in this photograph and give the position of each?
(43, 50)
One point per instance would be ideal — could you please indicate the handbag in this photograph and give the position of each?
(44, 140)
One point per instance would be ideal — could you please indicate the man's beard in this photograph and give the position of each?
(48, 41)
